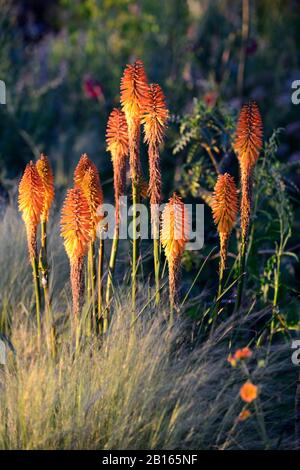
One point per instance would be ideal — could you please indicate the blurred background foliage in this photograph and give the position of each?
(62, 62)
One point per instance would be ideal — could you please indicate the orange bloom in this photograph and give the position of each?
(87, 178)
(76, 224)
(225, 203)
(117, 134)
(31, 196)
(174, 235)
(239, 354)
(154, 120)
(248, 392)
(243, 353)
(118, 146)
(232, 360)
(92, 191)
(248, 144)
(244, 415)
(134, 90)
(46, 175)
(155, 115)
(249, 134)
(175, 228)
(134, 94)
(80, 170)
(224, 208)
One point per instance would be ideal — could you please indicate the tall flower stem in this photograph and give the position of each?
(37, 291)
(156, 252)
(102, 313)
(245, 217)
(111, 266)
(248, 144)
(92, 279)
(135, 248)
(44, 270)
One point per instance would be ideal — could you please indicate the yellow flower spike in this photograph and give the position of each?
(45, 172)
(174, 236)
(224, 208)
(118, 146)
(76, 227)
(31, 197)
(247, 145)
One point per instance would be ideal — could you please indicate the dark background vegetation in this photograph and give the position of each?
(62, 62)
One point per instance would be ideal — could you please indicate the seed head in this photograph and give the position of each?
(249, 135)
(46, 175)
(76, 224)
(225, 203)
(134, 90)
(155, 115)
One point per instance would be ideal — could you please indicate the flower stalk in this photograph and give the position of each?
(118, 146)
(31, 197)
(154, 120)
(134, 89)
(174, 235)
(247, 145)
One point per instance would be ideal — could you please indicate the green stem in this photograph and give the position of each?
(37, 292)
(102, 313)
(134, 248)
(156, 253)
(111, 268)
(92, 279)
(242, 265)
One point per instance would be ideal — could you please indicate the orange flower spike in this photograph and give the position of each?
(155, 116)
(154, 120)
(134, 95)
(76, 229)
(31, 196)
(118, 146)
(249, 135)
(46, 175)
(80, 170)
(174, 236)
(117, 134)
(248, 144)
(76, 224)
(92, 191)
(134, 90)
(224, 208)
(248, 392)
